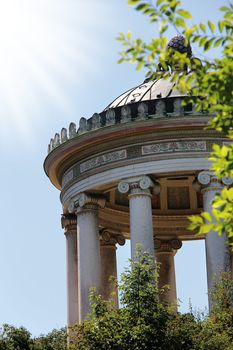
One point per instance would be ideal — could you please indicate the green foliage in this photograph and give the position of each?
(222, 158)
(139, 324)
(55, 340)
(217, 329)
(208, 83)
(220, 219)
(182, 331)
(149, 325)
(13, 338)
(138, 299)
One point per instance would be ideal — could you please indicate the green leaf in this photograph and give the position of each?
(202, 27)
(139, 65)
(133, 2)
(211, 26)
(208, 44)
(220, 26)
(224, 8)
(196, 219)
(224, 151)
(230, 194)
(179, 22)
(218, 42)
(185, 14)
(142, 6)
(202, 41)
(196, 38)
(206, 216)
(121, 60)
(204, 229)
(218, 203)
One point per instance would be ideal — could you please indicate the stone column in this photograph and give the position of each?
(141, 227)
(109, 264)
(89, 264)
(69, 223)
(165, 251)
(217, 249)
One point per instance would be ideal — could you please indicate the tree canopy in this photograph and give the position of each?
(144, 323)
(207, 83)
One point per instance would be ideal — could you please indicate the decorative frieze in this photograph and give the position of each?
(138, 152)
(227, 143)
(67, 177)
(102, 160)
(174, 146)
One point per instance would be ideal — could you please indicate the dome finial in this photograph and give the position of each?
(177, 43)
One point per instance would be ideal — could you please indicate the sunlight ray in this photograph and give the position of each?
(46, 46)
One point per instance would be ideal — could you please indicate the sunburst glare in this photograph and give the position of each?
(44, 44)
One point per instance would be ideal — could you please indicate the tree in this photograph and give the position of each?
(13, 338)
(143, 323)
(208, 84)
(54, 340)
(217, 329)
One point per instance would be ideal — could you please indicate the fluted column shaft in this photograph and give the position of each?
(217, 249)
(165, 252)
(69, 223)
(88, 247)
(109, 264)
(141, 226)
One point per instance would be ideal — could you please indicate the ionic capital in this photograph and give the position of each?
(209, 181)
(108, 238)
(138, 185)
(69, 222)
(167, 246)
(84, 201)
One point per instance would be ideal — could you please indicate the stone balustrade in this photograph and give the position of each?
(153, 109)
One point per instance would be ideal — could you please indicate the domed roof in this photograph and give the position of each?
(155, 89)
(147, 91)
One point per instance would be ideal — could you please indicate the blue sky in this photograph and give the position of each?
(58, 63)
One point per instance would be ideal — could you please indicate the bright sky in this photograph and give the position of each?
(57, 64)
